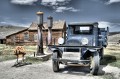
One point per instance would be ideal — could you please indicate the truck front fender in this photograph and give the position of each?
(92, 50)
(57, 50)
(87, 53)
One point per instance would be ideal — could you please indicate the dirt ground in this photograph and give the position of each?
(44, 71)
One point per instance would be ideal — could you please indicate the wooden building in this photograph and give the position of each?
(29, 36)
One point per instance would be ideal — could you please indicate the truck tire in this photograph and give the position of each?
(55, 62)
(95, 62)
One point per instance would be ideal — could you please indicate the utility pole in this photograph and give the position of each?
(40, 50)
(50, 25)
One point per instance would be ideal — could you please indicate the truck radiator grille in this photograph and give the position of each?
(72, 50)
(73, 42)
(71, 55)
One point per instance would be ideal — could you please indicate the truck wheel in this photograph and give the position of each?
(55, 62)
(94, 65)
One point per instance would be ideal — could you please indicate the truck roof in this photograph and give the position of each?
(78, 23)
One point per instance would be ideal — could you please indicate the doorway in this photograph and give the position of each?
(1, 41)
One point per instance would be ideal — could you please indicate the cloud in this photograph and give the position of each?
(107, 2)
(10, 21)
(61, 9)
(3, 22)
(15, 23)
(59, 5)
(54, 2)
(112, 1)
(23, 2)
(104, 24)
(112, 26)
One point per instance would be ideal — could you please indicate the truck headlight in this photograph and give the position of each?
(84, 41)
(60, 40)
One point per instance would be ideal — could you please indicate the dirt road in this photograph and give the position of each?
(44, 71)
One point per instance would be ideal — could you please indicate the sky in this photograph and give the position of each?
(23, 12)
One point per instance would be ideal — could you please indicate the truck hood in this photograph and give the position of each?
(76, 39)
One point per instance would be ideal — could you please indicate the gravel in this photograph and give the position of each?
(44, 71)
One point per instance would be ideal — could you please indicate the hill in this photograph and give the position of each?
(113, 33)
(114, 37)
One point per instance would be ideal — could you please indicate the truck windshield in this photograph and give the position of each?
(81, 29)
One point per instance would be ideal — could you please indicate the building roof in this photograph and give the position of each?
(56, 25)
(17, 32)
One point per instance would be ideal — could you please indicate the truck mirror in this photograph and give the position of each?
(107, 30)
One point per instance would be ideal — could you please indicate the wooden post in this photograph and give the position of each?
(40, 50)
(50, 25)
(34, 54)
(54, 41)
(49, 36)
(46, 41)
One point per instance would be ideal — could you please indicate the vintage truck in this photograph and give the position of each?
(84, 44)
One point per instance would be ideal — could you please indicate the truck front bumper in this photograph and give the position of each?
(66, 46)
(71, 61)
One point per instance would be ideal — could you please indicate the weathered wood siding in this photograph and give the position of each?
(17, 38)
(55, 35)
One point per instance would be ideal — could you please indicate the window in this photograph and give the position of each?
(26, 36)
(12, 38)
(35, 37)
(17, 38)
(81, 29)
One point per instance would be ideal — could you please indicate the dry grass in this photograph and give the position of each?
(108, 76)
(113, 50)
(112, 56)
(7, 57)
(33, 60)
(7, 51)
